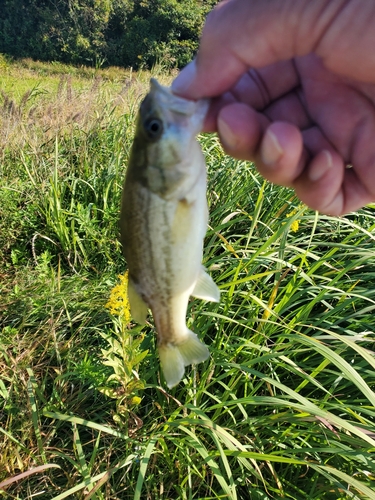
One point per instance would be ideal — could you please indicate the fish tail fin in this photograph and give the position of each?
(174, 358)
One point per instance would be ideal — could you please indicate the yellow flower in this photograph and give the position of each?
(118, 302)
(293, 212)
(136, 400)
(294, 226)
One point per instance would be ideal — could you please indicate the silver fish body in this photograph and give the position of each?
(163, 223)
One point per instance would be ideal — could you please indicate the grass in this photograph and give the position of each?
(285, 406)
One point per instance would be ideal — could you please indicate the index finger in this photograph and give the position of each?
(243, 34)
(238, 35)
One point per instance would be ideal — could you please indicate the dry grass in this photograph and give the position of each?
(40, 113)
(52, 99)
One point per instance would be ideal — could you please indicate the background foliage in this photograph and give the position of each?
(126, 33)
(284, 407)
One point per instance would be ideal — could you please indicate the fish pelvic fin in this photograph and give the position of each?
(138, 307)
(205, 288)
(174, 357)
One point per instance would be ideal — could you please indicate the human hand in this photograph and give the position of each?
(295, 93)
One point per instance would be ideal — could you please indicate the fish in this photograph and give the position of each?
(163, 222)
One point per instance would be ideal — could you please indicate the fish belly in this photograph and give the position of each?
(163, 245)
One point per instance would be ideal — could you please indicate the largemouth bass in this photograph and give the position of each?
(163, 222)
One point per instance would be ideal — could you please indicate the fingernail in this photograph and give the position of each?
(270, 150)
(227, 137)
(184, 79)
(321, 166)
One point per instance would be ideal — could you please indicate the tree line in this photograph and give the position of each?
(130, 33)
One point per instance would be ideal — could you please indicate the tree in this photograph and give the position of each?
(122, 32)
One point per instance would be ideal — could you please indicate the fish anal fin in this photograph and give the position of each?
(205, 288)
(193, 350)
(174, 358)
(138, 307)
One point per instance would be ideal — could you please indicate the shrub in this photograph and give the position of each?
(96, 32)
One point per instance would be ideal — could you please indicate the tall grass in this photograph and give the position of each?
(284, 407)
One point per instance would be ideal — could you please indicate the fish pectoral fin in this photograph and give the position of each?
(174, 358)
(138, 307)
(205, 288)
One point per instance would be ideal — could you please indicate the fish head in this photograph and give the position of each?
(164, 114)
(166, 129)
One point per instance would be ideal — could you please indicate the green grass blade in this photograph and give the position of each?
(143, 467)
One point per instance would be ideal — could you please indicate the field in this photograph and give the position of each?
(285, 406)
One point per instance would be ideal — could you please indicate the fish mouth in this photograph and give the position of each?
(176, 103)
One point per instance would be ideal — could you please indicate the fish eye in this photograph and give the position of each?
(153, 128)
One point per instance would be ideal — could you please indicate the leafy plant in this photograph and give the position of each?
(123, 355)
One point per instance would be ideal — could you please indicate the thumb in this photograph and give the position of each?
(243, 34)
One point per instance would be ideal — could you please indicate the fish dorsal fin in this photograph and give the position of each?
(205, 288)
(138, 308)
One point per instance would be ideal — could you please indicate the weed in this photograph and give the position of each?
(123, 355)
